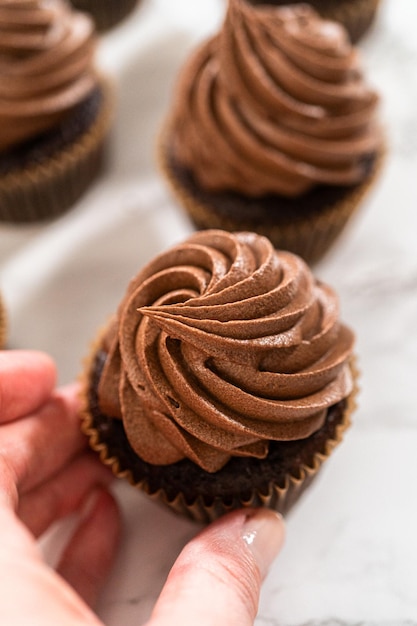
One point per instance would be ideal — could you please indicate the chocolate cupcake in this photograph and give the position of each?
(54, 109)
(225, 379)
(273, 129)
(356, 15)
(106, 13)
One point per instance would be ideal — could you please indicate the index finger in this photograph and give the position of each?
(27, 379)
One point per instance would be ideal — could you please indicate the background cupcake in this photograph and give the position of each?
(225, 379)
(355, 15)
(272, 129)
(54, 109)
(106, 13)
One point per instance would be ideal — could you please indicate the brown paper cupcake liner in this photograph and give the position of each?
(106, 13)
(42, 191)
(3, 323)
(309, 236)
(278, 497)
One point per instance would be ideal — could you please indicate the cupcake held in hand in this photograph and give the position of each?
(54, 109)
(273, 129)
(224, 380)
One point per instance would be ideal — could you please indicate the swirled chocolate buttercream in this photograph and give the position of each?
(275, 103)
(220, 345)
(46, 54)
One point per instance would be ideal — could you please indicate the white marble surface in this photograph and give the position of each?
(351, 550)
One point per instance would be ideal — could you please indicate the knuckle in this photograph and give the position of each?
(231, 569)
(242, 578)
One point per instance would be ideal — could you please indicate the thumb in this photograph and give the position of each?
(217, 577)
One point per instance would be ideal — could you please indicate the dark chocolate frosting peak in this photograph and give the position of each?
(275, 103)
(220, 345)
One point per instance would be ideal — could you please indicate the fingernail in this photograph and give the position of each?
(263, 532)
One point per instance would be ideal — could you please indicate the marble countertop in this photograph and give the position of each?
(351, 552)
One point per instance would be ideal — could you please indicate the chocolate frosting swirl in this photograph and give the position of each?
(46, 52)
(220, 345)
(275, 103)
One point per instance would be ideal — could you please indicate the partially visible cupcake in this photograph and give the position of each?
(54, 109)
(357, 16)
(273, 129)
(106, 13)
(225, 379)
(3, 324)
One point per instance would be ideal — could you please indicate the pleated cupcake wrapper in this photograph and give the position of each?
(3, 323)
(310, 237)
(279, 498)
(106, 13)
(43, 191)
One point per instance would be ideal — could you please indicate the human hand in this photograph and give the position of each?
(46, 473)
